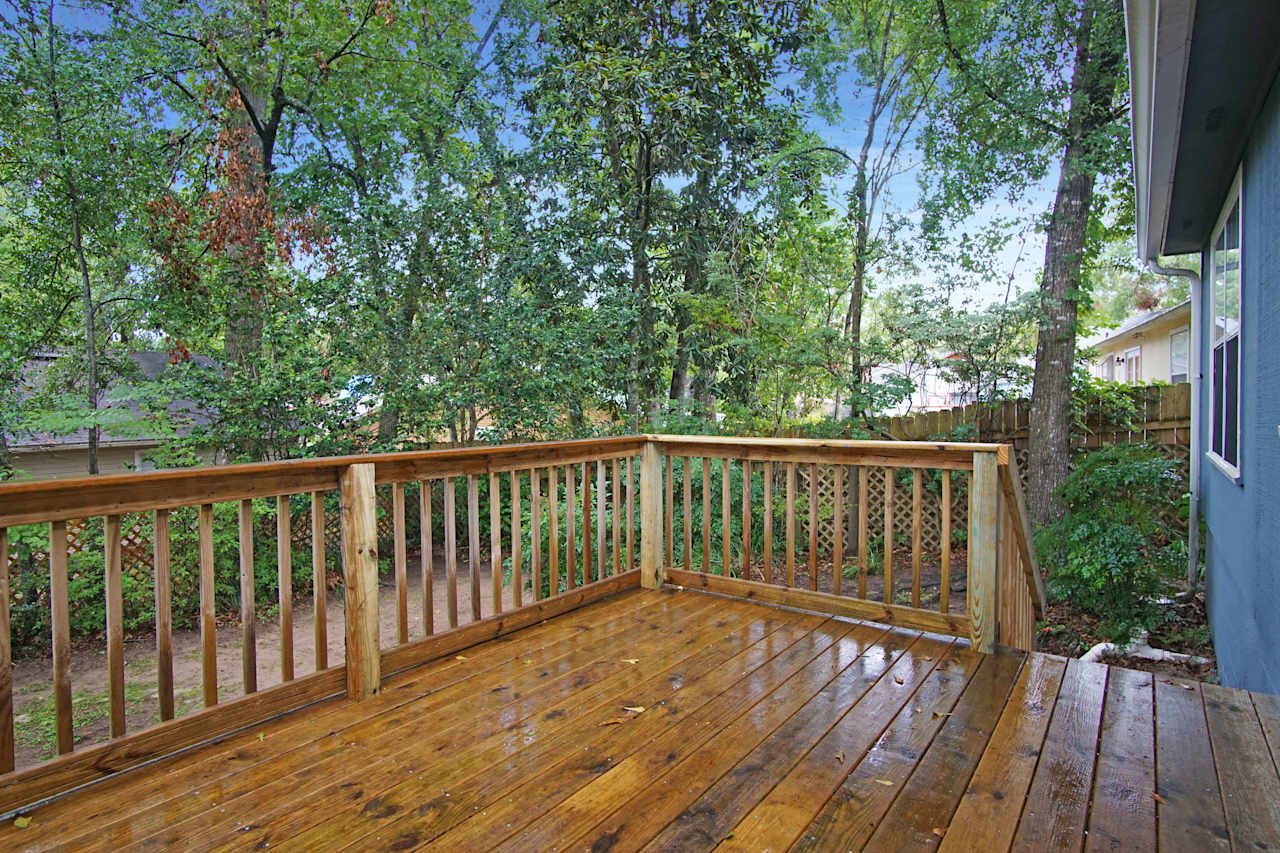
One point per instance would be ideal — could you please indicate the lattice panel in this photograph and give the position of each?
(930, 507)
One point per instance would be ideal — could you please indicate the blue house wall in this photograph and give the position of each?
(1243, 518)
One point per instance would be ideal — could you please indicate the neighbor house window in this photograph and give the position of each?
(1225, 272)
(1133, 365)
(1178, 353)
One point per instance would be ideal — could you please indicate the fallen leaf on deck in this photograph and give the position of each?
(884, 782)
(635, 709)
(261, 737)
(617, 721)
(898, 678)
(459, 657)
(938, 715)
(1177, 684)
(631, 660)
(928, 657)
(1159, 799)
(939, 831)
(22, 822)
(840, 757)
(528, 662)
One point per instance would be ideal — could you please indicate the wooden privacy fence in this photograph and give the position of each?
(1163, 416)
(565, 522)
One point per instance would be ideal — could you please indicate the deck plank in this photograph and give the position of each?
(576, 815)
(1058, 802)
(1250, 786)
(763, 728)
(929, 796)
(817, 688)
(1189, 813)
(1123, 815)
(809, 749)
(312, 738)
(481, 711)
(989, 810)
(476, 777)
(856, 756)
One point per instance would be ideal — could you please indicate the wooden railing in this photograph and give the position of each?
(562, 531)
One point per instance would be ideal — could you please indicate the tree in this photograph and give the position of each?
(1029, 82)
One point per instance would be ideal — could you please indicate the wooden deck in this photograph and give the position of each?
(680, 720)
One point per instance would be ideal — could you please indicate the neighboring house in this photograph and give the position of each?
(43, 455)
(1206, 150)
(1149, 347)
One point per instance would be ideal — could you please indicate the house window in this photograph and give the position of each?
(1107, 367)
(1178, 352)
(1225, 271)
(1133, 365)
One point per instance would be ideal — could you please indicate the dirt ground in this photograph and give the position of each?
(33, 698)
(1069, 632)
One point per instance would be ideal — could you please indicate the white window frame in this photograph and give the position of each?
(1130, 356)
(1186, 373)
(1234, 197)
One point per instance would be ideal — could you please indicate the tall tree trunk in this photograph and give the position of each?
(77, 242)
(1093, 83)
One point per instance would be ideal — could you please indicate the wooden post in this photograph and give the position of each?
(984, 535)
(248, 608)
(360, 573)
(208, 623)
(651, 569)
(164, 614)
(115, 626)
(60, 617)
(6, 668)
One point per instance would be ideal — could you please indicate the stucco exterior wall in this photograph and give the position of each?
(1243, 518)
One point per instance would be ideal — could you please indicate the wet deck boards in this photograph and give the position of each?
(684, 721)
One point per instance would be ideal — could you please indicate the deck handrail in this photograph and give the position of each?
(579, 489)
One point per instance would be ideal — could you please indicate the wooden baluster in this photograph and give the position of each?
(284, 582)
(553, 513)
(473, 543)
(916, 487)
(651, 568)
(164, 613)
(631, 514)
(670, 518)
(726, 546)
(115, 627)
(535, 530)
(601, 548)
(813, 526)
(571, 528)
(208, 623)
(686, 494)
(360, 575)
(706, 514)
(401, 562)
(888, 535)
(837, 523)
(248, 606)
(426, 546)
(863, 491)
(451, 550)
(495, 541)
(586, 522)
(768, 521)
(517, 581)
(746, 519)
(617, 520)
(944, 535)
(790, 522)
(6, 661)
(60, 616)
(319, 581)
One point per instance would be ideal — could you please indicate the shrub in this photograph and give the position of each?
(1112, 554)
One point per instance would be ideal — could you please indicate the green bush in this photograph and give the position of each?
(1112, 554)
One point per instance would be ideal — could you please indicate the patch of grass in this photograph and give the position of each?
(36, 723)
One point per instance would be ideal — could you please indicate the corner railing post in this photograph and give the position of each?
(651, 568)
(984, 548)
(360, 574)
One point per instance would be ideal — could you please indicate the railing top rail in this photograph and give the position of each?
(904, 447)
(32, 501)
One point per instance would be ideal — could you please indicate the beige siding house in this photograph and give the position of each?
(1145, 348)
